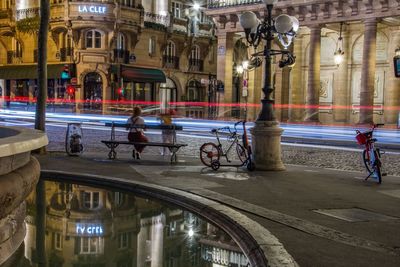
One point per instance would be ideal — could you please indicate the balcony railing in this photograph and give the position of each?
(157, 19)
(170, 62)
(13, 56)
(195, 64)
(230, 3)
(27, 13)
(121, 55)
(66, 52)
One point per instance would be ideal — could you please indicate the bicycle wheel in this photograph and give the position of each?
(367, 162)
(377, 168)
(241, 152)
(209, 153)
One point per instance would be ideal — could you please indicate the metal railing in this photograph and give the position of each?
(27, 13)
(66, 52)
(157, 19)
(195, 64)
(12, 55)
(230, 3)
(170, 62)
(121, 55)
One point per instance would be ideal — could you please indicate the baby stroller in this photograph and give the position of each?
(73, 139)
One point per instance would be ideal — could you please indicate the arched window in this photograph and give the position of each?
(169, 54)
(121, 41)
(195, 53)
(17, 48)
(93, 39)
(152, 45)
(170, 49)
(194, 91)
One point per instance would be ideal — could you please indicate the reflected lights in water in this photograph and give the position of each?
(89, 226)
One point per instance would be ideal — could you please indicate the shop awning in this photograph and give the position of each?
(29, 72)
(142, 75)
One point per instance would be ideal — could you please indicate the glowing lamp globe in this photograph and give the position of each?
(248, 20)
(283, 23)
(295, 24)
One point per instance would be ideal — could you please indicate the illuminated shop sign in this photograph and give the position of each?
(92, 9)
(89, 229)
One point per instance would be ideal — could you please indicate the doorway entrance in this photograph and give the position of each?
(93, 91)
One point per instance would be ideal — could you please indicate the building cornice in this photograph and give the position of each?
(312, 12)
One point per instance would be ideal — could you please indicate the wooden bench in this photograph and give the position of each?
(173, 147)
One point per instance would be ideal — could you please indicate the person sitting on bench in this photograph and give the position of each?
(136, 134)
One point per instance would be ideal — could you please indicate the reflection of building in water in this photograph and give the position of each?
(219, 250)
(88, 226)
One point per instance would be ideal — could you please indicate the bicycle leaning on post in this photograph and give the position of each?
(371, 155)
(210, 153)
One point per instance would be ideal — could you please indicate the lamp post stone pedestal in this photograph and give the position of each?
(266, 146)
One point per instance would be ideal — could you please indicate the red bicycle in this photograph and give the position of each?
(210, 153)
(371, 155)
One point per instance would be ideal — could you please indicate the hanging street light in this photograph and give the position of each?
(338, 55)
(266, 134)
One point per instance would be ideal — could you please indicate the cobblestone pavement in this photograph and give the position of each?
(297, 155)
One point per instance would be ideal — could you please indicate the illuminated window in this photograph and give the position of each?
(91, 200)
(58, 241)
(93, 39)
(195, 53)
(92, 245)
(118, 199)
(169, 51)
(123, 240)
(17, 48)
(121, 41)
(193, 91)
(176, 9)
(152, 45)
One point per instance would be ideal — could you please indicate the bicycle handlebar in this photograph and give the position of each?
(228, 128)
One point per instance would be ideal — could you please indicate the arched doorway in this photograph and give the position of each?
(93, 90)
(167, 95)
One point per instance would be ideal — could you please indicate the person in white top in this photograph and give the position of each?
(136, 134)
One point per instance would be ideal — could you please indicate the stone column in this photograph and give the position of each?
(224, 66)
(296, 95)
(285, 91)
(312, 100)
(392, 91)
(341, 97)
(278, 84)
(368, 72)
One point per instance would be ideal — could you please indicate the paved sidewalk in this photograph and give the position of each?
(293, 204)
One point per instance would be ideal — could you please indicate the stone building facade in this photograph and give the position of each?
(362, 89)
(148, 51)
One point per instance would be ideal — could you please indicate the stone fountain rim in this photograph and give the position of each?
(25, 140)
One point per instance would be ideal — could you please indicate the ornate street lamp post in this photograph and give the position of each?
(266, 134)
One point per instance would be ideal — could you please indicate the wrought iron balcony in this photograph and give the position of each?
(121, 55)
(27, 13)
(66, 52)
(230, 3)
(14, 56)
(195, 64)
(156, 19)
(170, 62)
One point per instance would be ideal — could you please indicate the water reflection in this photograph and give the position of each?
(88, 226)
